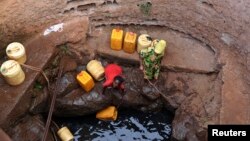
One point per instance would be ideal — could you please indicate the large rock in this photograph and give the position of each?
(78, 102)
(66, 84)
(30, 129)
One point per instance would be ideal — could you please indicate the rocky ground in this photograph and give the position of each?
(205, 71)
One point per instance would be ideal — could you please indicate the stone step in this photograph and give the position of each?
(15, 101)
(183, 53)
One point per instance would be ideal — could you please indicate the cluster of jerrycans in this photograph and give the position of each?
(129, 43)
(95, 72)
(95, 69)
(150, 51)
(86, 80)
(11, 69)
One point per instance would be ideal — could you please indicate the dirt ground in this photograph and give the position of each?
(207, 63)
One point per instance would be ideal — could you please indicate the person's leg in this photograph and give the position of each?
(141, 64)
(157, 72)
(149, 73)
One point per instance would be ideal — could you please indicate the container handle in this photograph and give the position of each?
(15, 49)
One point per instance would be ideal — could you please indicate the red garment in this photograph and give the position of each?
(111, 71)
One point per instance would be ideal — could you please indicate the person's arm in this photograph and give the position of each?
(143, 53)
(103, 90)
(122, 88)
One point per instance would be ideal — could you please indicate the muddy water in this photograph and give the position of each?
(131, 125)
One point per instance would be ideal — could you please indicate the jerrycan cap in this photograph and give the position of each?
(15, 50)
(10, 68)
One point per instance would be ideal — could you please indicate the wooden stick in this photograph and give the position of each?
(52, 105)
(157, 89)
(55, 124)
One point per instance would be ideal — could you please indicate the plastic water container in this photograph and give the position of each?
(129, 42)
(109, 113)
(160, 47)
(12, 72)
(154, 42)
(16, 51)
(116, 39)
(96, 69)
(65, 134)
(144, 41)
(85, 80)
